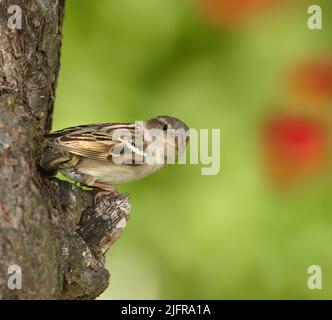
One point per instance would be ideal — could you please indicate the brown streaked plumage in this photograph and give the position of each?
(98, 155)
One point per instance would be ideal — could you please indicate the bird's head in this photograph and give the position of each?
(175, 131)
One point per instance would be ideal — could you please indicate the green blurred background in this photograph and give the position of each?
(190, 236)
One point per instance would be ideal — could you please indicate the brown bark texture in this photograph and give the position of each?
(56, 232)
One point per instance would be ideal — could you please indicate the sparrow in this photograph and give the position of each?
(102, 155)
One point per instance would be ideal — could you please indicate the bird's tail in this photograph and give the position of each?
(51, 159)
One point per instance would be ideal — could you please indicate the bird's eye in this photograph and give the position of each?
(165, 127)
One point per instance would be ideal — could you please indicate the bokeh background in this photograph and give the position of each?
(252, 69)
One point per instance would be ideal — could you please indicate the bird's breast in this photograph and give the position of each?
(110, 173)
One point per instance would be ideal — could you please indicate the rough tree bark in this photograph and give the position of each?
(54, 231)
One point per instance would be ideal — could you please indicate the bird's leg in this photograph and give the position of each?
(87, 181)
(109, 191)
(106, 187)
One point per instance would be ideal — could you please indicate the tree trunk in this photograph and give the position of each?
(54, 233)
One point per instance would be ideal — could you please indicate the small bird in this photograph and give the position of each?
(106, 154)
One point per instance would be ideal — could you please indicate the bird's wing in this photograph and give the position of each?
(103, 141)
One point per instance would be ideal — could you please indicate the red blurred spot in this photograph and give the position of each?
(312, 81)
(233, 12)
(295, 147)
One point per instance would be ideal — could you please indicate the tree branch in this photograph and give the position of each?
(54, 231)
